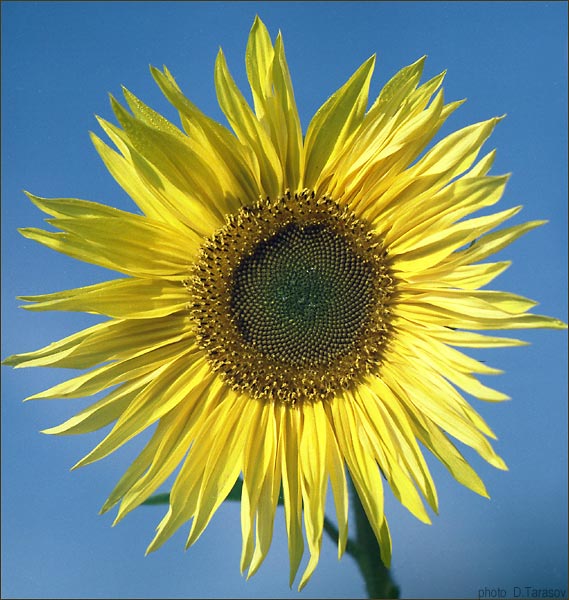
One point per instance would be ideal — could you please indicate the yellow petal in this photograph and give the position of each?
(391, 178)
(181, 208)
(478, 300)
(121, 298)
(224, 464)
(363, 469)
(449, 318)
(312, 459)
(176, 430)
(492, 243)
(101, 413)
(116, 372)
(259, 456)
(235, 164)
(274, 102)
(258, 60)
(422, 390)
(248, 129)
(184, 376)
(455, 153)
(467, 277)
(437, 212)
(335, 122)
(187, 485)
(132, 180)
(438, 443)
(398, 88)
(435, 247)
(472, 340)
(335, 467)
(130, 244)
(388, 452)
(111, 340)
(457, 360)
(175, 160)
(291, 430)
(381, 147)
(267, 508)
(135, 470)
(411, 454)
(484, 165)
(293, 175)
(150, 117)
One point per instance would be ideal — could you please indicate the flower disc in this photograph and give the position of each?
(291, 298)
(303, 296)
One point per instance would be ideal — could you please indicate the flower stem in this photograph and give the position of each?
(377, 576)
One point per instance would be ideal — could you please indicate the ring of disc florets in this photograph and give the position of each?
(241, 364)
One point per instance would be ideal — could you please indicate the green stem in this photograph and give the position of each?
(332, 531)
(157, 499)
(377, 577)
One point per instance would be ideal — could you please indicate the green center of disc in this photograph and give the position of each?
(303, 296)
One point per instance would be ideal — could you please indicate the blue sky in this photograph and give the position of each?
(59, 61)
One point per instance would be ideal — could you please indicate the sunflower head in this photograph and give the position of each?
(291, 299)
(291, 306)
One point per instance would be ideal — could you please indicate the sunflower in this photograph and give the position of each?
(290, 306)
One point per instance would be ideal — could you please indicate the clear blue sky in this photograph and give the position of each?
(59, 60)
